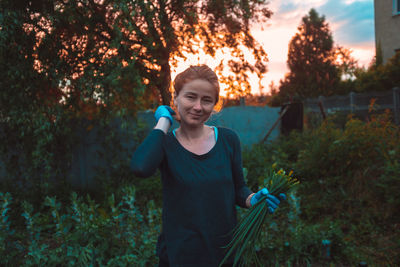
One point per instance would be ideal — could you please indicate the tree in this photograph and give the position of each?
(97, 59)
(119, 52)
(311, 61)
(378, 58)
(347, 65)
(379, 77)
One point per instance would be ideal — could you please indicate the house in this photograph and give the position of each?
(387, 27)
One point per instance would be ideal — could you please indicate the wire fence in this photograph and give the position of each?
(357, 103)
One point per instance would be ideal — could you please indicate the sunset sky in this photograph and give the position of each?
(351, 22)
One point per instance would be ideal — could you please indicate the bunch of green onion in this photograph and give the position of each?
(248, 231)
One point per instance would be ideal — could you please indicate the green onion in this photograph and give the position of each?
(248, 231)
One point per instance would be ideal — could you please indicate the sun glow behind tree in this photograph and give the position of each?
(120, 53)
(219, 63)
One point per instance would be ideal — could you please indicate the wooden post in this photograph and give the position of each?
(276, 122)
(396, 105)
(321, 106)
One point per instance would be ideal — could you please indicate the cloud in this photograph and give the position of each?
(354, 20)
(364, 53)
(292, 11)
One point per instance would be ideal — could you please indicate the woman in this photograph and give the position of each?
(201, 172)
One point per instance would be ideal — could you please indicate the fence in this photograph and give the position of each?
(90, 153)
(249, 122)
(357, 103)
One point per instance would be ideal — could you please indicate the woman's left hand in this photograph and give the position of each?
(272, 201)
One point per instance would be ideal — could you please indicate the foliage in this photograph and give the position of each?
(348, 196)
(345, 158)
(119, 52)
(348, 69)
(380, 77)
(311, 60)
(290, 241)
(317, 67)
(72, 65)
(345, 62)
(284, 152)
(248, 100)
(378, 59)
(350, 167)
(83, 233)
(51, 87)
(63, 58)
(377, 77)
(349, 177)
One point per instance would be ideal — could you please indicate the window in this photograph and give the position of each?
(396, 7)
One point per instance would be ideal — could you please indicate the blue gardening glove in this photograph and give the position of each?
(272, 201)
(164, 111)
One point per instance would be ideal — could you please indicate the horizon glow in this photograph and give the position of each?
(351, 23)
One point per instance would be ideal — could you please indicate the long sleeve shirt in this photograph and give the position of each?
(199, 195)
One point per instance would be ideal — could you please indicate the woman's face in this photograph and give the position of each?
(195, 102)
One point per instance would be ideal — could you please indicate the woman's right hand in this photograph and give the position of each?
(164, 111)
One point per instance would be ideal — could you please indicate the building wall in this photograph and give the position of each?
(387, 28)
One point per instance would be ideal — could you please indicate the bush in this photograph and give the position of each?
(348, 195)
(83, 233)
(349, 190)
(345, 166)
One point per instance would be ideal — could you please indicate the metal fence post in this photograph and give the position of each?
(321, 106)
(352, 104)
(396, 104)
(242, 101)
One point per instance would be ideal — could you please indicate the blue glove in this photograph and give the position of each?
(272, 201)
(164, 111)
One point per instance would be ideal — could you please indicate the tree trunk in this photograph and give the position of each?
(163, 87)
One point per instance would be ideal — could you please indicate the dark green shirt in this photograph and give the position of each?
(199, 195)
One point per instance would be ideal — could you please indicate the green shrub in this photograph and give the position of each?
(82, 233)
(258, 158)
(349, 184)
(344, 167)
(348, 195)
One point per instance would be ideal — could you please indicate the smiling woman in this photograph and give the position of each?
(201, 173)
(196, 93)
(196, 100)
(195, 96)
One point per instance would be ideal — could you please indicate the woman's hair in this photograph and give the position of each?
(202, 72)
